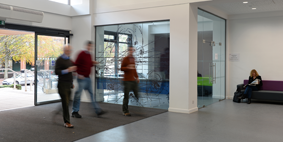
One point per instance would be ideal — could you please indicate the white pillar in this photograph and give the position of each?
(183, 61)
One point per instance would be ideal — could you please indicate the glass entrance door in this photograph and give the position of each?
(47, 51)
(211, 58)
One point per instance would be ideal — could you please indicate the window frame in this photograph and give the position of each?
(117, 43)
(69, 2)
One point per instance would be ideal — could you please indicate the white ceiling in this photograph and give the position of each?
(233, 7)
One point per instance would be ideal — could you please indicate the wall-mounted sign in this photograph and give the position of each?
(216, 56)
(234, 57)
(2, 24)
(53, 63)
(37, 62)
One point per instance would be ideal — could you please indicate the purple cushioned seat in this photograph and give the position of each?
(270, 85)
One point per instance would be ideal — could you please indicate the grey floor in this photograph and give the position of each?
(220, 122)
(159, 101)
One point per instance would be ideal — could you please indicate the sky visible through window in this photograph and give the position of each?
(61, 1)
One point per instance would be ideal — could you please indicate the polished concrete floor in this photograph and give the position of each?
(220, 122)
(159, 101)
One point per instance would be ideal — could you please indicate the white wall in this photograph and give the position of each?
(103, 6)
(80, 7)
(258, 41)
(81, 28)
(183, 51)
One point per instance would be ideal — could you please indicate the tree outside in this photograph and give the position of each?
(49, 48)
(21, 48)
(16, 47)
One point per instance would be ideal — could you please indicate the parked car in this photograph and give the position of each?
(48, 75)
(20, 79)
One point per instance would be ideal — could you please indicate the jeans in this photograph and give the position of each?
(64, 90)
(129, 86)
(249, 90)
(85, 84)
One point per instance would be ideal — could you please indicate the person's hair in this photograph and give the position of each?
(130, 47)
(89, 43)
(256, 73)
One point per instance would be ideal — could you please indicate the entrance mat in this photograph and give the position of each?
(41, 124)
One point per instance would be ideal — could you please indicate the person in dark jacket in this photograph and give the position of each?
(64, 68)
(255, 83)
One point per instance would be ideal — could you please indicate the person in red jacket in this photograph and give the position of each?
(131, 79)
(84, 63)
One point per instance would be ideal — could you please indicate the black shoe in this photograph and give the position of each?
(249, 101)
(76, 115)
(101, 113)
(242, 97)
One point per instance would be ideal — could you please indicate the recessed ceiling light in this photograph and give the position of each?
(253, 8)
(245, 2)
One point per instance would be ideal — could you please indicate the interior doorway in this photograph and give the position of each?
(211, 58)
(27, 61)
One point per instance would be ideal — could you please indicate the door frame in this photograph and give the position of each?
(39, 31)
(225, 20)
(36, 103)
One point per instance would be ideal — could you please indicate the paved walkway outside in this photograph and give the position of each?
(12, 99)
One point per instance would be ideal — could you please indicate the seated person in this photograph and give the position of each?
(255, 83)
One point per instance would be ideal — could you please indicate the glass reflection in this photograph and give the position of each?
(151, 42)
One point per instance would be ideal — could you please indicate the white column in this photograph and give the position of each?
(193, 49)
(183, 62)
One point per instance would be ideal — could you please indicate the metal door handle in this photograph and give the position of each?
(209, 75)
(214, 78)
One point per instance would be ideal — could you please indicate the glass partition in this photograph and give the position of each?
(48, 50)
(151, 42)
(211, 58)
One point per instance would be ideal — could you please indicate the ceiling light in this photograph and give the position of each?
(245, 2)
(253, 8)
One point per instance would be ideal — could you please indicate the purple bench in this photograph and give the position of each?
(270, 91)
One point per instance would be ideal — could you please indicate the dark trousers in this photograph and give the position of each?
(249, 90)
(64, 89)
(128, 87)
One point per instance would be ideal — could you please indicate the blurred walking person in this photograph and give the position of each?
(84, 63)
(131, 79)
(64, 68)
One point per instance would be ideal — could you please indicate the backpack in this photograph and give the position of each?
(238, 94)
(236, 97)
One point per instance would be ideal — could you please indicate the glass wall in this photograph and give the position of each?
(211, 58)
(151, 42)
